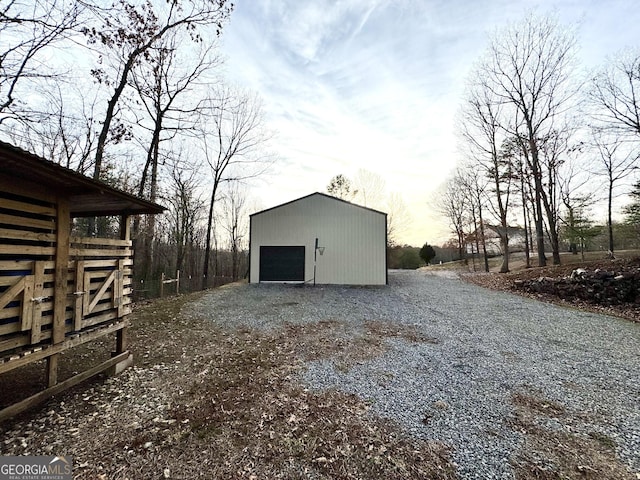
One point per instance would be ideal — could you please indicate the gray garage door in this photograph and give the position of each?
(282, 264)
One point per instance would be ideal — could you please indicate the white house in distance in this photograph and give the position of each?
(318, 239)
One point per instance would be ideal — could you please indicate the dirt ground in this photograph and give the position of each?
(207, 402)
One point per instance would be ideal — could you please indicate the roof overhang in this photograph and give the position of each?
(87, 197)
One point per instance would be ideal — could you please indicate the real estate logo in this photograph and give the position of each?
(31, 467)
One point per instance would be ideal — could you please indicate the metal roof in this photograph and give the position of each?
(322, 195)
(87, 197)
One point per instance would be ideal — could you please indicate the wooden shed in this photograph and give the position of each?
(319, 239)
(58, 291)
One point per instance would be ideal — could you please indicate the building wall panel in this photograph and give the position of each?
(353, 237)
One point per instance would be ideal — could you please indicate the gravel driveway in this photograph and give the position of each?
(491, 349)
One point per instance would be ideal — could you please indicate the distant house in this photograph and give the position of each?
(318, 239)
(492, 239)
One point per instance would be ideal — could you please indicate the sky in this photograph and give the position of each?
(377, 84)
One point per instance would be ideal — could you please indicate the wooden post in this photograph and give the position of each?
(80, 295)
(162, 285)
(52, 370)
(36, 324)
(61, 270)
(122, 335)
(177, 282)
(122, 340)
(63, 230)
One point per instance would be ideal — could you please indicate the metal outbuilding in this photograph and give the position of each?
(319, 239)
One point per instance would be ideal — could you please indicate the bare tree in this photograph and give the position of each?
(528, 70)
(483, 134)
(231, 137)
(65, 134)
(165, 86)
(553, 155)
(474, 188)
(28, 30)
(615, 94)
(399, 219)
(186, 212)
(616, 160)
(235, 223)
(131, 31)
(370, 189)
(452, 203)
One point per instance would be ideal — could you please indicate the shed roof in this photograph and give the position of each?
(87, 197)
(322, 195)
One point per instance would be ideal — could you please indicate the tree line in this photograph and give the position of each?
(132, 93)
(544, 145)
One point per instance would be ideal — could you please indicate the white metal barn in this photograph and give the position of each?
(319, 239)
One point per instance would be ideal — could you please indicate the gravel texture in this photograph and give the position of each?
(491, 346)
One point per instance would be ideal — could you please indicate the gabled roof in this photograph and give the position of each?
(87, 197)
(322, 195)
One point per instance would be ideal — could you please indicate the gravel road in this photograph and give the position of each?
(490, 347)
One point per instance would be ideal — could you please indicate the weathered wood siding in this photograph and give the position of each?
(92, 287)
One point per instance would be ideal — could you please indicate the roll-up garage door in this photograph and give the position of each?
(282, 264)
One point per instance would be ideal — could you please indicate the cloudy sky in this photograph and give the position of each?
(376, 84)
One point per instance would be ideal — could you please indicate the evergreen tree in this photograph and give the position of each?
(427, 253)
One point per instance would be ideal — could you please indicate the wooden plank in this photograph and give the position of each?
(22, 340)
(28, 207)
(25, 189)
(106, 263)
(106, 306)
(9, 295)
(33, 400)
(118, 289)
(105, 317)
(38, 287)
(62, 261)
(83, 337)
(16, 265)
(24, 235)
(26, 316)
(26, 250)
(97, 252)
(8, 281)
(107, 283)
(11, 327)
(86, 298)
(79, 294)
(27, 222)
(101, 241)
(14, 342)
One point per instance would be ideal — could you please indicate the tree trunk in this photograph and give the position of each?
(609, 219)
(525, 212)
(207, 247)
(484, 240)
(538, 188)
